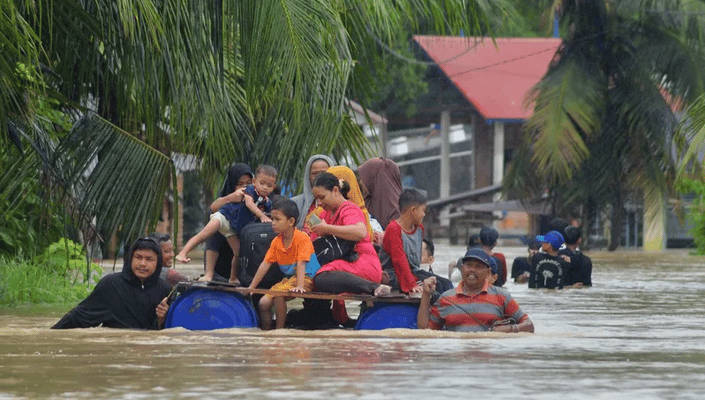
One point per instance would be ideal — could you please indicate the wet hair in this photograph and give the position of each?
(160, 237)
(572, 234)
(558, 224)
(473, 240)
(488, 236)
(409, 198)
(430, 248)
(534, 244)
(266, 170)
(328, 181)
(286, 207)
(146, 243)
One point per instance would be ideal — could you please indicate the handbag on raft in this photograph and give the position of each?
(330, 248)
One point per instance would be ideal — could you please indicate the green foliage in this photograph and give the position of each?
(533, 20)
(603, 119)
(696, 212)
(68, 259)
(399, 82)
(56, 276)
(260, 81)
(27, 225)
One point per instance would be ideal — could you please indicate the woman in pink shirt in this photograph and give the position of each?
(345, 220)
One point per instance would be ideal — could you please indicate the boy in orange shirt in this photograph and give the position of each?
(293, 251)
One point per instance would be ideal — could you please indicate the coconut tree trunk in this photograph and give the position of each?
(617, 214)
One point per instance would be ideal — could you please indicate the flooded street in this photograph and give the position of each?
(637, 334)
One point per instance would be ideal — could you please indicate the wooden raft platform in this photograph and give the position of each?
(227, 287)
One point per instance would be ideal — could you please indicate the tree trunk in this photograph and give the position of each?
(588, 217)
(617, 224)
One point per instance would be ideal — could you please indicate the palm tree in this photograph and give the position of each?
(249, 80)
(604, 112)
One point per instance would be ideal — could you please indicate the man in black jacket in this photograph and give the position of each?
(134, 298)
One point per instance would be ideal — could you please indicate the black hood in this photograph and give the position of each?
(234, 174)
(129, 276)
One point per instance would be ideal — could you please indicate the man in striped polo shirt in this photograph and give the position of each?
(474, 305)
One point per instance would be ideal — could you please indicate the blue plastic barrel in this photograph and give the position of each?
(388, 315)
(204, 309)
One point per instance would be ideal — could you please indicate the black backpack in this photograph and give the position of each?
(255, 239)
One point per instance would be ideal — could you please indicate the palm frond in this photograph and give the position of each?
(117, 179)
(567, 102)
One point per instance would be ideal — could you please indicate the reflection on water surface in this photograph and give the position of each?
(636, 334)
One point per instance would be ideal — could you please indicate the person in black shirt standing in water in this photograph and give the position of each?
(521, 267)
(548, 269)
(580, 270)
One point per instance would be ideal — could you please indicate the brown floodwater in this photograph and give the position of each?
(638, 333)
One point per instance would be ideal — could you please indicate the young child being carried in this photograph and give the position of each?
(293, 251)
(230, 219)
(402, 246)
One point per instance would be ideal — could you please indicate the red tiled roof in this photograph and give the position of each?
(494, 80)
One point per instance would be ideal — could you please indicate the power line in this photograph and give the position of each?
(414, 61)
(401, 56)
(504, 61)
(446, 62)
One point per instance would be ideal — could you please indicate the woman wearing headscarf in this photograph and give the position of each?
(382, 179)
(305, 202)
(218, 254)
(134, 298)
(354, 195)
(343, 218)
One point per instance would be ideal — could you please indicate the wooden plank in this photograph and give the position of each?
(226, 287)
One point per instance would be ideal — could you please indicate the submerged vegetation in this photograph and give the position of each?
(60, 274)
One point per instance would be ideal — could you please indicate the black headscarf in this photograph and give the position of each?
(225, 254)
(234, 174)
(122, 300)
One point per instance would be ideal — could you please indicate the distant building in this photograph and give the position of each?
(480, 88)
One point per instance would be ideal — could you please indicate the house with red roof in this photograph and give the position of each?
(480, 105)
(470, 125)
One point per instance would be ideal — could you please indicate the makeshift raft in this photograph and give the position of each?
(215, 305)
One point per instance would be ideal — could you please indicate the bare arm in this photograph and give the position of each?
(429, 286)
(524, 326)
(355, 232)
(234, 197)
(300, 274)
(250, 204)
(259, 275)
